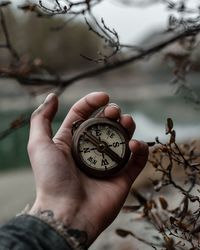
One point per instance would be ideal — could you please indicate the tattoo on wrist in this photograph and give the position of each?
(76, 238)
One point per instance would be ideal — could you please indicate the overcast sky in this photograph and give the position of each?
(132, 23)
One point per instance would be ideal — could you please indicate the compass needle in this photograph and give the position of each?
(100, 147)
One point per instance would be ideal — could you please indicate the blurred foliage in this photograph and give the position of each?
(43, 38)
(173, 221)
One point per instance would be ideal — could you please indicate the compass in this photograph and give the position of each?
(100, 146)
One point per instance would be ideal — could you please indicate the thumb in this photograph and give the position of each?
(40, 127)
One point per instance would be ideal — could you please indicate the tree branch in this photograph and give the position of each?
(63, 83)
(8, 44)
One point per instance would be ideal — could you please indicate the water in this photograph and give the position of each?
(147, 129)
(150, 105)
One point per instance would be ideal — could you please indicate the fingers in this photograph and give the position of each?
(81, 110)
(113, 111)
(140, 152)
(128, 123)
(84, 108)
(40, 127)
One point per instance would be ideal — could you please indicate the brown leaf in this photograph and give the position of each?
(163, 203)
(28, 7)
(184, 211)
(193, 198)
(172, 220)
(169, 125)
(196, 230)
(131, 208)
(151, 144)
(123, 233)
(169, 242)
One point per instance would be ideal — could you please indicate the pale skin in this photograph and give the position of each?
(77, 200)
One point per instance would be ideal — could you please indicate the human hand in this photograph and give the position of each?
(77, 200)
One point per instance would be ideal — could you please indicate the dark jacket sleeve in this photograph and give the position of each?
(29, 233)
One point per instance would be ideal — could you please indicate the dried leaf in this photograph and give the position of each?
(28, 7)
(164, 149)
(172, 220)
(151, 144)
(123, 233)
(196, 230)
(169, 242)
(163, 202)
(129, 209)
(169, 126)
(193, 198)
(182, 226)
(157, 140)
(184, 211)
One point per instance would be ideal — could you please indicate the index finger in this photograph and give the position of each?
(81, 110)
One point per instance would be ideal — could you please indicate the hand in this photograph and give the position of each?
(79, 201)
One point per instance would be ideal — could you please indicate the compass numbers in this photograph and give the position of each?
(86, 150)
(110, 133)
(102, 147)
(104, 162)
(116, 144)
(111, 137)
(97, 132)
(92, 160)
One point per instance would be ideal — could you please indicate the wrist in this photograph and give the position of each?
(71, 213)
(64, 221)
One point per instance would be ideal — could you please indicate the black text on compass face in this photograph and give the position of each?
(102, 147)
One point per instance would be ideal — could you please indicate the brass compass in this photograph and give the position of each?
(100, 146)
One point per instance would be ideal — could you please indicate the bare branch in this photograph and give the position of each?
(8, 44)
(69, 7)
(41, 80)
(19, 122)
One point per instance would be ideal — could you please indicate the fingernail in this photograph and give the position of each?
(49, 98)
(113, 105)
(98, 94)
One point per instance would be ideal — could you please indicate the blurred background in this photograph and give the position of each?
(145, 89)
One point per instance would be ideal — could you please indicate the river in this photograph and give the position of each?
(149, 104)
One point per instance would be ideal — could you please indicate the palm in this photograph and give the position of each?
(102, 190)
(102, 196)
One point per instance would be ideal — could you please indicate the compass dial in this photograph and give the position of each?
(100, 147)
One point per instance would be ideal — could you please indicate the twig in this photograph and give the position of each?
(40, 80)
(8, 44)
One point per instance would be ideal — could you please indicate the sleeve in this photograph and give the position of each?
(30, 233)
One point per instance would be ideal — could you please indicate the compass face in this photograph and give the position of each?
(100, 147)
